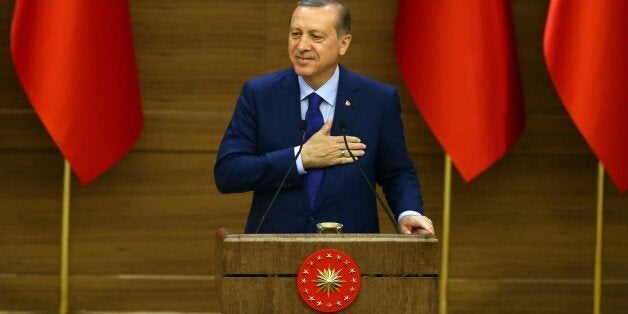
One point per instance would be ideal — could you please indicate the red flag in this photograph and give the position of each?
(459, 63)
(76, 62)
(586, 51)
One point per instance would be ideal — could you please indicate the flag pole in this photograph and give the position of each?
(65, 235)
(444, 266)
(597, 282)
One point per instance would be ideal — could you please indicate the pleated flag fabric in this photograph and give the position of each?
(586, 50)
(75, 60)
(459, 63)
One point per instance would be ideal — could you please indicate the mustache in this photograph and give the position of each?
(304, 56)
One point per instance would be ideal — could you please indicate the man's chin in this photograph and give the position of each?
(302, 71)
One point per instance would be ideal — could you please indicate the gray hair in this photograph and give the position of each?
(343, 27)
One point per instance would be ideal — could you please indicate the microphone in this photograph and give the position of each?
(302, 127)
(343, 126)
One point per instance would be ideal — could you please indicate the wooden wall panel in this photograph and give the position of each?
(193, 55)
(31, 293)
(134, 214)
(128, 294)
(502, 228)
(21, 129)
(142, 234)
(508, 296)
(30, 211)
(614, 296)
(616, 233)
(615, 269)
(11, 95)
(144, 237)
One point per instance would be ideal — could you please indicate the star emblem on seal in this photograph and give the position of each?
(328, 280)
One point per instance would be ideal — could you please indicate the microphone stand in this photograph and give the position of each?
(302, 127)
(343, 127)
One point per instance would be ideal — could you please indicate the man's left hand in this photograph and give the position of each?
(414, 224)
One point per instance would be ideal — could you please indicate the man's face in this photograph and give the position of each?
(313, 43)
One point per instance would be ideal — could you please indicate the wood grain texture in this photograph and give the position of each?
(377, 295)
(284, 253)
(29, 203)
(258, 271)
(520, 296)
(194, 55)
(11, 95)
(615, 254)
(541, 230)
(129, 293)
(135, 219)
(29, 293)
(399, 273)
(29, 229)
(16, 125)
(614, 296)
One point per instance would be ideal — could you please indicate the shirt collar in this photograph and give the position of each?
(328, 91)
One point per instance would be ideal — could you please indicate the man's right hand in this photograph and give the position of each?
(323, 150)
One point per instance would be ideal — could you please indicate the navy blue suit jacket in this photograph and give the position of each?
(258, 148)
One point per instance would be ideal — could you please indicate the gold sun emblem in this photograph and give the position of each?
(328, 280)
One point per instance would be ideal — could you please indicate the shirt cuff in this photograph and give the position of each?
(407, 213)
(299, 161)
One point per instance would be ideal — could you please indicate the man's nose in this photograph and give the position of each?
(304, 44)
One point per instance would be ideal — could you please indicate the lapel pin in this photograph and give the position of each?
(348, 103)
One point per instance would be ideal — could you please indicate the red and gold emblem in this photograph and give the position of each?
(329, 280)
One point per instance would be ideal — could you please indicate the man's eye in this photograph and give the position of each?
(295, 34)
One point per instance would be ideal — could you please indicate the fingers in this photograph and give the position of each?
(405, 229)
(426, 226)
(350, 154)
(356, 147)
(350, 139)
(322, 150)
(352, 145)
(422, 232)
(355, 150)
(345, 160)
(414, 224)
(326, 127)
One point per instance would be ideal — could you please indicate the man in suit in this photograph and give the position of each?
(263, 138)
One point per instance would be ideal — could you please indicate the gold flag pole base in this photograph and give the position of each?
(444, 266)
(65, 236)
(597, 279)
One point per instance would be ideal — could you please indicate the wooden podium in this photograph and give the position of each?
(257, 273)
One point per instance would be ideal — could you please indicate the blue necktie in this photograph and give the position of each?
(314, 119)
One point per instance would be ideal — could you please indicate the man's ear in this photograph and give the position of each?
(344, 44)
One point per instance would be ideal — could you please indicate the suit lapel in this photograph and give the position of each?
(345, 109)
(289, 108)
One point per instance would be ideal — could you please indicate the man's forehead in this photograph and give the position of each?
(310, 16)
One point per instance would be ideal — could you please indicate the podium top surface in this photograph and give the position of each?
(379, 254)
(325, 237)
